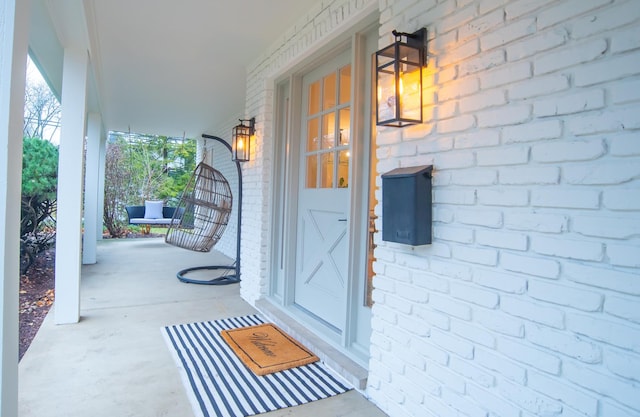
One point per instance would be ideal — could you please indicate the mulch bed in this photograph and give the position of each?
(36, 296)
(37, 293)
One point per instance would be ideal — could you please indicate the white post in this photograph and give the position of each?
(69, 220)
(91, 187)
(101, 170)
(14, 35)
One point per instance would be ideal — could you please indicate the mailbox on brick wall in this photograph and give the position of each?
(406, 205)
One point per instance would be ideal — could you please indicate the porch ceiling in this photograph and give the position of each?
(166, 66)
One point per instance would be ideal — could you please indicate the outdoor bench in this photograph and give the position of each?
(153, 213)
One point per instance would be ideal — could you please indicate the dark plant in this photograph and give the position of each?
(38, 201)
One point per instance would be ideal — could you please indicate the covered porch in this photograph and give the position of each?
(524, 304)
(114, 361)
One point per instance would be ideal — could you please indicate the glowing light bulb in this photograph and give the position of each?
(240, 144)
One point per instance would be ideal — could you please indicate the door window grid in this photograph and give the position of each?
(326, 117)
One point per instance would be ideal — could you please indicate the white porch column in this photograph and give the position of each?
(14, 35)
(91, 187)
(101, 170)
(69, 223)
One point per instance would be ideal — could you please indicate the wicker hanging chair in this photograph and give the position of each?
(203, 211)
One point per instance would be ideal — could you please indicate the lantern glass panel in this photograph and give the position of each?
(386, 93)
(410, 92)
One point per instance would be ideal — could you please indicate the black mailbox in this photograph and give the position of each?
(406, 205)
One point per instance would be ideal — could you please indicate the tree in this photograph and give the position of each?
(38, 201)
(148, 160)
(41, 110)
(182, 157)
(143, 167)
(159, 166)
(117, 188)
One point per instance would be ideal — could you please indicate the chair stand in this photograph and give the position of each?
(222, 280)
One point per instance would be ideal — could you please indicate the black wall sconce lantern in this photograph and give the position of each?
(241, 140)
(399, 79)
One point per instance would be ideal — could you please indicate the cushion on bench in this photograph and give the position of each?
(153, 209)
(152, 221)
(138, 215)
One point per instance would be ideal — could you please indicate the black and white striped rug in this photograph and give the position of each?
(218, 384)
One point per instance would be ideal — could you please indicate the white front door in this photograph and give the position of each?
(321, 193)
(323, 240)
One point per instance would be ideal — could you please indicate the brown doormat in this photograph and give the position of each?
(266, 349)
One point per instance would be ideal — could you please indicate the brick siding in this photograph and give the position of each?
(529, 302)
(526, 304)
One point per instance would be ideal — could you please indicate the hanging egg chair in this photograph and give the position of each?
(202, 215)
(203, 211)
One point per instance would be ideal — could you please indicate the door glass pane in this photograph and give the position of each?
(327, 170)
(328, 110)
(343, 169)
(312, 171)
(329, 90)
(344, 122)
(312, 135)
(345, 84)
(314, 98)
(328, 130)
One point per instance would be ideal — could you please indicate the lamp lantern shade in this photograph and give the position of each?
(399, 80)
(241, 140)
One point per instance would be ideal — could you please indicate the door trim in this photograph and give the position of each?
(360, 170)
(285, 195)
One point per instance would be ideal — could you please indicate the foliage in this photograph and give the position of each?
(38, 201)
(143, 167)
(182, 156)
(116, 189)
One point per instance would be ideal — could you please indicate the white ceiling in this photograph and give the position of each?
(166, 66)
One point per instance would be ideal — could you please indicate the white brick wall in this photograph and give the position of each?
(530, 296)
(527, 302)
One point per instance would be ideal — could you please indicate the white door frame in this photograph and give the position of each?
(286, 179)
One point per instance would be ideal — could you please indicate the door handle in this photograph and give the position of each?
(342, 220)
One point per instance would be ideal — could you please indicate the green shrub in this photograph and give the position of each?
(38, 201)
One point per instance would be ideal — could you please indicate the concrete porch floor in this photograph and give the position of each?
(115, 362)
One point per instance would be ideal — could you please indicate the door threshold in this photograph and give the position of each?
(344, 366)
